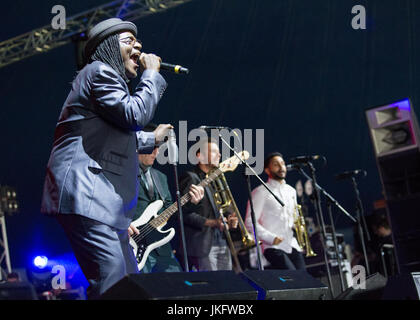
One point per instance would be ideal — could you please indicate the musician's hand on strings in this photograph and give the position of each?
(196, 193)
(132, 230)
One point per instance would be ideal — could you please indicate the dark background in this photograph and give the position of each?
(294, 68)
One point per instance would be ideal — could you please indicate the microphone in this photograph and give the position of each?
(172, 148)
(349, 174)
(291, 167)
(212, 127)
(304, 159)
(173, 68)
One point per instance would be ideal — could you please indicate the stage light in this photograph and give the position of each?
(40, 262)
(8, 200)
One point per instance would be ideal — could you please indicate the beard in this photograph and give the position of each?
(278, 176)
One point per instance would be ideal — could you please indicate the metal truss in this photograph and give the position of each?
(46, 38)
(5, 266)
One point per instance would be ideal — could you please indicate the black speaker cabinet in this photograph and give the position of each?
(395, 134)
(214, 285)
(17, 291)
(286, 285)
(403, 287)
(405, 223)
(375, 285)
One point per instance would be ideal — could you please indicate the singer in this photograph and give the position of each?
(274, 222)
(91, 180)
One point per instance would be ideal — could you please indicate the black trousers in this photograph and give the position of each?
(282, 260)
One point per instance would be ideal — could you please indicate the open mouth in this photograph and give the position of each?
(135, 58)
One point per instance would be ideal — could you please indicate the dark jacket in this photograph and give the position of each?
(198, 237)
(161, 191)
(93, 166)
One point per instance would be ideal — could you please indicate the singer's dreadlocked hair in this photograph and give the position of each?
(108, 51)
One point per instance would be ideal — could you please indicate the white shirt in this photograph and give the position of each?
(272, 219)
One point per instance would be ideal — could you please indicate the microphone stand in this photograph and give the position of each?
(361, 217)
(173, 159)
(260, 266)
(337, 252)
(181, 218)
(331, 200)
(251, 205)
(320, 218)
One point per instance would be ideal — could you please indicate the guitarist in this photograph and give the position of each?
(207, 248)
(154, 186)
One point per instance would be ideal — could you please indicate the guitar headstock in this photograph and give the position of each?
(231, 163)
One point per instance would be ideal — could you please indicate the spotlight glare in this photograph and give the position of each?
(40, 262)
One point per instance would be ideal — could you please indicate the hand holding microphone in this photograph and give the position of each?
(154, 62)
(150, 61)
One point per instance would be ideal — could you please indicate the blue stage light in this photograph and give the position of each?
(40, 262)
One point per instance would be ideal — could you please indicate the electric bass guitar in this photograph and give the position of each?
(150, 223)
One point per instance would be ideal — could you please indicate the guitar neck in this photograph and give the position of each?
(165, 215)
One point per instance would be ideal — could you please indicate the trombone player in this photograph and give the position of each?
(274, 222)
(207, 248)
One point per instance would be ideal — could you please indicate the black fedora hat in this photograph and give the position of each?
(104, 29)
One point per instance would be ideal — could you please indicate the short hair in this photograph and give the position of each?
(205, 141)
(271, 156)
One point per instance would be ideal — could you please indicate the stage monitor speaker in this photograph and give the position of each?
(395, 134)
(17, 291)
(375, 285)
(403, 287)
(214, 285)
(286, 285)
(393, 128)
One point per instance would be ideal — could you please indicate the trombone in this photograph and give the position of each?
(226, 204)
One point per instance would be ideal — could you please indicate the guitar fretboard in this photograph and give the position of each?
(165, 215)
